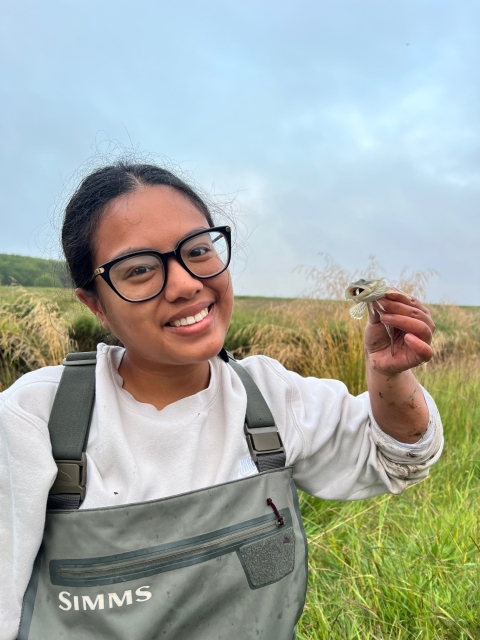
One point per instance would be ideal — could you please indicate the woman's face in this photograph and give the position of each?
(158, 217)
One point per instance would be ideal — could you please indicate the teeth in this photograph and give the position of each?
(190, 319)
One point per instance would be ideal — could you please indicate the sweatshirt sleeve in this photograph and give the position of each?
(27, 471)
(332, 440)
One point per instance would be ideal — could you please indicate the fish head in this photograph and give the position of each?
(366, 290)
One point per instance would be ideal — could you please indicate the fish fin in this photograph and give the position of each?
(358, 310)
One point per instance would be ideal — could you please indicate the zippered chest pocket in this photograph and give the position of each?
(265, 549)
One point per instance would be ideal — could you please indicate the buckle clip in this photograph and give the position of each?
(71, 477)
(263, 440)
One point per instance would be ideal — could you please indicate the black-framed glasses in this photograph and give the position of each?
(141, 275)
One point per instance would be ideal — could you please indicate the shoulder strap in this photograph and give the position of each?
(72, 411)
(263, 439)
(68, 426)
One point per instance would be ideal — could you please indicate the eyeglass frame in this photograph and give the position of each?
(103, 270)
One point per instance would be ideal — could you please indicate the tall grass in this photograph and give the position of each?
(309, 337)
(33, 334)
(405, 566)
(319, 338)
(331, 281)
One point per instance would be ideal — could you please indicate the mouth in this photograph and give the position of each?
(188, 320)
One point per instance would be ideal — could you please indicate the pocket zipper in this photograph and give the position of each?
(71, 571)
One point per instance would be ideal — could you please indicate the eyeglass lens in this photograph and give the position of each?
(141, 277)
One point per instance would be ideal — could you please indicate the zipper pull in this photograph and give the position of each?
(280, 520)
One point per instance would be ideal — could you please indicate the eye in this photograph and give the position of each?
(199, 251)
(139, 271)
(135, 271)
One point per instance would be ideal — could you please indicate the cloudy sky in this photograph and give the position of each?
(349, 127)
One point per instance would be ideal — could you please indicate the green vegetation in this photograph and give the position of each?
(33, 334)
(404, 567)
(408, 566)
(32, 272)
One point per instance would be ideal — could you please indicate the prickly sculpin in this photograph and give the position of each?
(364, 293)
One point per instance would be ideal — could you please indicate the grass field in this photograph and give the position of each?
(403, 567)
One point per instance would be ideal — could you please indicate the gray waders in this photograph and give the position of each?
(228, 562)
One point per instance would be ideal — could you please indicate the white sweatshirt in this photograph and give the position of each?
(137, 453)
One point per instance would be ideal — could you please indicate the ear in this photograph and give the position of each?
(93, 303)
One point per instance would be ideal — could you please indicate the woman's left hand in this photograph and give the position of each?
(413, 330)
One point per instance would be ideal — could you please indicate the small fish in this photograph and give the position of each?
(364, 292)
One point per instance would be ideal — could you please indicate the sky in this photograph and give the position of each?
(341, 127)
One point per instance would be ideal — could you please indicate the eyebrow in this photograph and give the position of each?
(126, 252)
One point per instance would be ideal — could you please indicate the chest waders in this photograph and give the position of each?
(226, 562)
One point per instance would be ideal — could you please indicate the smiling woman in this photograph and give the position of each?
(188, 526)
(157, 218)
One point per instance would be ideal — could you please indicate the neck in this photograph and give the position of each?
(162, 386)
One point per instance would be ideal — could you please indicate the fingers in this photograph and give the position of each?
(407, 324)
(408, 300)
(422, 351)
(413, 309)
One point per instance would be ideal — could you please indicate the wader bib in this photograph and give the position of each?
(228, 562)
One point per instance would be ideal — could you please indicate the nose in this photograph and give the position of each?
(180, 284)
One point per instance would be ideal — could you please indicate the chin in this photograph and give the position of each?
(204, 352)
(203, 356)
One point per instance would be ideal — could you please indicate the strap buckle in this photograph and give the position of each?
(76, 363)
(71, 477)
(263, 440)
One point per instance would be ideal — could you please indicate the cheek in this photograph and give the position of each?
(119, 314)
(225, 291)
(105, 296)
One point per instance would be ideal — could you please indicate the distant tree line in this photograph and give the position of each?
(32, 272)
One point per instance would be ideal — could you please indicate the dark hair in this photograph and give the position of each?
(86, 206)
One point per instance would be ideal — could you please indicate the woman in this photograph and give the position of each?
(178, 535)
